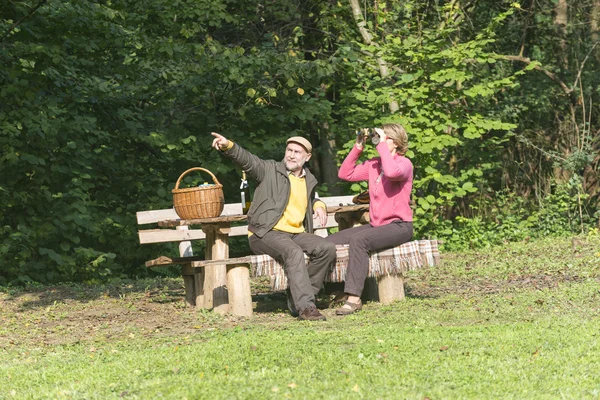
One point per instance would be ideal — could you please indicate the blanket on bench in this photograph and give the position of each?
(395, 261)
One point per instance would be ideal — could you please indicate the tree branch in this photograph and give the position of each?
(583, 63)
(549, 74)
(17, 23)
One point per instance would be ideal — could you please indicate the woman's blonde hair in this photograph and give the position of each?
(397, 133)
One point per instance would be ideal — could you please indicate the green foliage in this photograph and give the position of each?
(447, 102)
(507, 217)
(103, 105)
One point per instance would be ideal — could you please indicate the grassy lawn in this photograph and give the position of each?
(519, 321)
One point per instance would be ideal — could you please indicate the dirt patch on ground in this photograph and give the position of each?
(73, 314)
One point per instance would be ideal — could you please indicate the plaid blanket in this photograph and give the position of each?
(395, 261)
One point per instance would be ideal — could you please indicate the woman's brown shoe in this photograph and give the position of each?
(338, 300)
(349, 308)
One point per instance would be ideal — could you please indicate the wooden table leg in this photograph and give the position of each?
(215, 278)
(198, 283)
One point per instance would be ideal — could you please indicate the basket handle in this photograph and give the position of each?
(215, 180)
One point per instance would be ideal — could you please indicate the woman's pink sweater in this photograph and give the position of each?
(389, 193)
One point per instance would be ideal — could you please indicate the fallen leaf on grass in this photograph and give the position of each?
(355, 388)
(444, 348)
(292, 385)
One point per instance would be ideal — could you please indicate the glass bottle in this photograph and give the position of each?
(245, 194)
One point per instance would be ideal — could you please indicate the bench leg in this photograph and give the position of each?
(391, 288)
(194, 293)
(194, 286)
(238, 285)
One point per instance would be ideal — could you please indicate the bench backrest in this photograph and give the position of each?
(147, 236)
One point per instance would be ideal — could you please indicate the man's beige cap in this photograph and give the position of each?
(302, 142)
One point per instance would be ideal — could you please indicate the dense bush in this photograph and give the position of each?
(507, 217)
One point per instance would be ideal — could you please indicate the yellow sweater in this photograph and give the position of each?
(295, 211)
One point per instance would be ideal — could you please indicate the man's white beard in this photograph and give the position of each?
(297, 164)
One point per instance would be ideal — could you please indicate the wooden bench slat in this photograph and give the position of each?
(337, 200)
(196, 261)
(168, 235)
(149, 236)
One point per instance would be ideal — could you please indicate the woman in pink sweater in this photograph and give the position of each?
(390, 179)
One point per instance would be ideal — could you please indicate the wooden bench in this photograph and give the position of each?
(387, 267)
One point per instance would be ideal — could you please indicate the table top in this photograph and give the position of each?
(234, 218)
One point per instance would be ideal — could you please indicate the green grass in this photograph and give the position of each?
(517, 322)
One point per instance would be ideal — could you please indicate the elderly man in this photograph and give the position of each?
(280, 219)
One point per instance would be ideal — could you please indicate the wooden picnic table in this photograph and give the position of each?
(210, 286)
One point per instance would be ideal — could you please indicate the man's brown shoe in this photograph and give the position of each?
(311, 313)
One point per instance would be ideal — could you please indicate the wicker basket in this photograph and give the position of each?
(198, 202)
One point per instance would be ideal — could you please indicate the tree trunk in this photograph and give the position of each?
(384, 71)
(329, 169)
(560, 20)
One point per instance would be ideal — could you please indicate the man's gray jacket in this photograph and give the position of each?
(273, 191)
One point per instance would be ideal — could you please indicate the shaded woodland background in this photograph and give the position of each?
(103, 104)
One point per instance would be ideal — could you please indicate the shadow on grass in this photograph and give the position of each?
(160, 290)
(275, 302)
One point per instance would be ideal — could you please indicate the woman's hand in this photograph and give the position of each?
(381, 133)
(360, 138)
